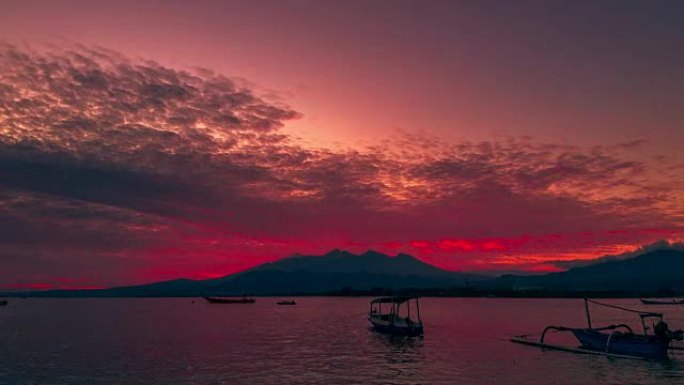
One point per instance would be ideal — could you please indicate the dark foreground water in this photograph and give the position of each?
(319, 341)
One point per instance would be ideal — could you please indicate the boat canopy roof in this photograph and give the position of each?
(393, 299)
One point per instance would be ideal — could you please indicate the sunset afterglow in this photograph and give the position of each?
(199, 147)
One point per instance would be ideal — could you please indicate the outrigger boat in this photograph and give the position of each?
(225, 300)
(390, 319)
(621, 341)
(660, 302)
(286, 302)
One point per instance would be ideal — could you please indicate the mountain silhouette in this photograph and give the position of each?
(336, 270)
(653, 271)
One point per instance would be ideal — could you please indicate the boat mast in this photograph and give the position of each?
(586, 308)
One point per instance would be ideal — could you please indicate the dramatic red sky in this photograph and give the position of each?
(142, 141)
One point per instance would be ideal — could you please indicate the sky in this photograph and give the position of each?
(143, 141)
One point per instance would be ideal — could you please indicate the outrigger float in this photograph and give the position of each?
(620, 342)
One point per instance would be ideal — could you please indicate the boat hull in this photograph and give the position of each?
(624, 344)
(656, 302)
(402, 330)
(229, 300)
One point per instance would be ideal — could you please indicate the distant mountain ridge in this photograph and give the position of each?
(654, 271)
(334, 271)
(373, 262)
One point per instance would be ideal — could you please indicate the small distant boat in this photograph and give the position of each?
(616, 340)
(662, 302)
(3, 302)
(286, 302)
(243, 300)
(386, 316)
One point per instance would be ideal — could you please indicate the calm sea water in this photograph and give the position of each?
(319, 341)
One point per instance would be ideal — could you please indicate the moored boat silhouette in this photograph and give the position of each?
(616, 340)
(386, 316)
(229, 300)
(661, 302)
(286, 303)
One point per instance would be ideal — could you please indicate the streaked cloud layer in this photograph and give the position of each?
(116, 170)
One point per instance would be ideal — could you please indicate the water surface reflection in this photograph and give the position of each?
(319, 341)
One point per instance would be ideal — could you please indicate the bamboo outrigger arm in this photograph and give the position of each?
(557, 328)
(567, 329)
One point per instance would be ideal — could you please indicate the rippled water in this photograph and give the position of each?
(319, 341)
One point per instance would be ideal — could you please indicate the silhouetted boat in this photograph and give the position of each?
(617, 343)
(244, 300)
(3, 302)
(390, 318)
(286, 302)
(662, 302)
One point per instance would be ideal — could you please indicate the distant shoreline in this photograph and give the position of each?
(435, 293)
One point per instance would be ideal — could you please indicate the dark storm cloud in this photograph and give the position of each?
(101, 156)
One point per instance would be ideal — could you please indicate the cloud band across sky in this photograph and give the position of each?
(119, 171)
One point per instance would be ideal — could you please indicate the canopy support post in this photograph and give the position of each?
(418, 309)
(408, 306)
